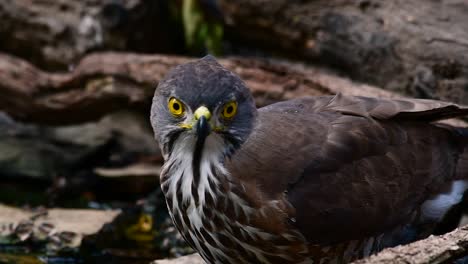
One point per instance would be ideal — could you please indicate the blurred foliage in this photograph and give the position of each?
(201, 33)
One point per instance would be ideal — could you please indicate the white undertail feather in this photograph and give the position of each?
(435, 208)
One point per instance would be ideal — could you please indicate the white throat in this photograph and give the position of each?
(179, 168)
(191, 209)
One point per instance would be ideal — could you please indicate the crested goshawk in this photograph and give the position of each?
(310, 180)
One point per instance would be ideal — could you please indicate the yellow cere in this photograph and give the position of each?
(176, 107)
(202, 111)
(229, 110)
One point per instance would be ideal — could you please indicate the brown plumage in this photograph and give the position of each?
(330, 178)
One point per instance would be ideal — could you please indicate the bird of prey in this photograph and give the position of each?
(310, 180)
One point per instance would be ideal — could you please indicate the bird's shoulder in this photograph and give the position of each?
(329, 131)
(378, 108)
(354, 165)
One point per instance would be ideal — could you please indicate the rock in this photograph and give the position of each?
(190, 259)
(43, 152)
(135, 170)
(58, 227)
(133, 179)
(36, 152)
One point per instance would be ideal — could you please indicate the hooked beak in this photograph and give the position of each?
(202, 126)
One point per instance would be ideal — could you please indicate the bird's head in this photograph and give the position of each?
(202, 101)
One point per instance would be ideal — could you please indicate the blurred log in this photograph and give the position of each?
(418, 47)
(105, 82)
(55, 34)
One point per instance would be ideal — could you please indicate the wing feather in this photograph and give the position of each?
(351, 166)
(421, 109)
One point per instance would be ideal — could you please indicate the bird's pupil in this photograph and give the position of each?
(229, 109)
(176, 106)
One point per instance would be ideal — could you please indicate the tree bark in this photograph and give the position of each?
(417, 47)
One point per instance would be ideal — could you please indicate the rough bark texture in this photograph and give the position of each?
(419, 46)
(433, 250)
(54, 34)
(102, 83)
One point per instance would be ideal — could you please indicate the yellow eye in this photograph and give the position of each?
(176, 107)
(229, 110)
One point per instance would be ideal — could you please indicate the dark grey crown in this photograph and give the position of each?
(203, 82)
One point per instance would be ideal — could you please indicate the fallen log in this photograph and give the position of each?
(105, 82)
(417, 47)
(56, 34)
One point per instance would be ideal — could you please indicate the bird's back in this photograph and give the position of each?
(354, 167)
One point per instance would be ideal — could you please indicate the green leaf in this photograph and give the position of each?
(200, 34)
